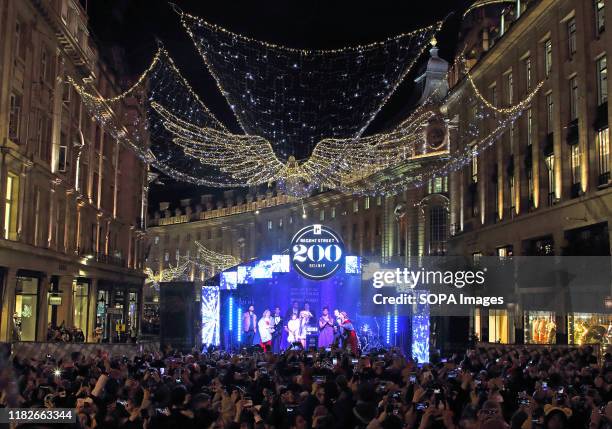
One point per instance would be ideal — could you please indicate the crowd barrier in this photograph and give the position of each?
(63, 350)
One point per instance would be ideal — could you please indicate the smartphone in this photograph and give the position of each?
(421, 406)
(354, 361)
(443, 360)
(162, 371)
(335, 361)
(544, 385)
(328, 349)
(319, 379)
(413, 378)
(309, 356)
(124, 403)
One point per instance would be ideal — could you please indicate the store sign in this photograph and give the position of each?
(317, 252)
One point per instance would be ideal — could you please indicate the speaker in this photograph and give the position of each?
(178, 316)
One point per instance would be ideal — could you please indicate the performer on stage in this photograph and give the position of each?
(249, 326)
(293, 330)
(305, 317)
(265, 331)
(312, 313)
(337, 331)
(326, 329)
(277, 335)
(348, 332)
(295, 309)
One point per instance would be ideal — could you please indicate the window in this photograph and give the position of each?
(548, 57)
(600, 24)
(575, 163)
(62, 153)
(280, 223)
(26, 308)
(322, 215)
(602, 80)
(476, 257)
(157, 239)
(550, 167)
(494, 95)
(14, 116)
(571, 37)
(333, 212)
(529, 127)
(11, 206)
(505, 252)
(177, 255)
(509, 88)
(80, 295)
(512, 190)
(529, 174)
(166, 256)
(269, 225)
(355, 206)
(366, 203)
(44, 63)
(438, 230)
(602, 142)
(549, 112)
(474, 168)
(19, 46)
(528, 72)
(379, 201)
(573, 101)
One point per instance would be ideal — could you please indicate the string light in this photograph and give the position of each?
(282, 93)
(189, 143)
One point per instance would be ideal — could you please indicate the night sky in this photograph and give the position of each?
(134, 26)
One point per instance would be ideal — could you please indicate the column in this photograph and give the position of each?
(65, 311)
(8, 304)
(92, 310)
(44, 287)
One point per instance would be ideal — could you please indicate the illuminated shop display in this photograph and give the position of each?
(589, 328)
(540, 327)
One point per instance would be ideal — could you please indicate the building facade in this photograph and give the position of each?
(543, 188)
(72, 197)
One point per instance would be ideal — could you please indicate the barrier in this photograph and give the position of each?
(64, 350)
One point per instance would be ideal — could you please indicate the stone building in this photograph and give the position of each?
(543, 188)
(71, 218)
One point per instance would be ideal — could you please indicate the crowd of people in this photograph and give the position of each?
(63, 334)
(484, 388)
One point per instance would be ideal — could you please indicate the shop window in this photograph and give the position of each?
(589, 328)
(505, 252)
(575, 164)
(550, 170)
(498, 326)
(602, 141)
(477, 324)
(132, 327)
(80, 294)
(540, 327)
(26, 309)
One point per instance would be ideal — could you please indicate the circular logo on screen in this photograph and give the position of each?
(317, 252)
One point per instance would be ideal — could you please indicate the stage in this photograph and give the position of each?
(273, 282)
